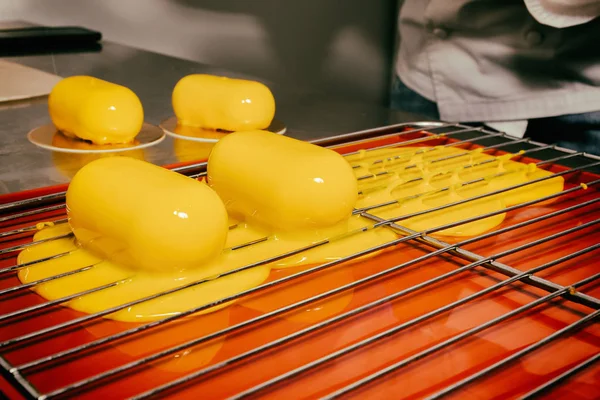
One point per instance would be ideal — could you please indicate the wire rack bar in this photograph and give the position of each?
(483, 149)
(562, 149)
(48, 279)
(560, 378)
(358, 138)
(26, 245)
(559, 158)
(31, 228)
(48, 304)
(432, 137)
(27, 264)
(32, 212)
(21, 384)
(34, 200)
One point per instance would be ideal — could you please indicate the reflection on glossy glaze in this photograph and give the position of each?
(190, 150)
(242, 190)
(196, 132)
(297, 291)
(187, 150)
(186, 329)
(217, 102)
(65, 142)
(69, 163)
(95, 110)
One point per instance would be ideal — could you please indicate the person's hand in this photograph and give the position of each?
(563, 13)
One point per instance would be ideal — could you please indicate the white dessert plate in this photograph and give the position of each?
(183, 132)
(49, 138)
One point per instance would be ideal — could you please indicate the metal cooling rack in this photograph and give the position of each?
(10, 214)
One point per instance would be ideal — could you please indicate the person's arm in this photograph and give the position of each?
(563, 13)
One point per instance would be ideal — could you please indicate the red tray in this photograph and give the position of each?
(420, 377)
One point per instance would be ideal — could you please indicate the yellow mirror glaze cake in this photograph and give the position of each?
(216, 102)
(95, 110)
(280, 182)
(143, 216)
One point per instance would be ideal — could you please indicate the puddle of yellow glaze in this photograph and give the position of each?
(138, 284)
(450, 180)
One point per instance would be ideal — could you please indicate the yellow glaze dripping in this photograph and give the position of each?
(134, 283)
(217, 102)
(95, 110)
(129, 284)
(409, 180)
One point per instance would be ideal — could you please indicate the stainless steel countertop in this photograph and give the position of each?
(152, 77)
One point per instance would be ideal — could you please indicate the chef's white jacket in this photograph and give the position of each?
(502, 61)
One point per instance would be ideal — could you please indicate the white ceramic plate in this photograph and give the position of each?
(49, 138)
(170, 127)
